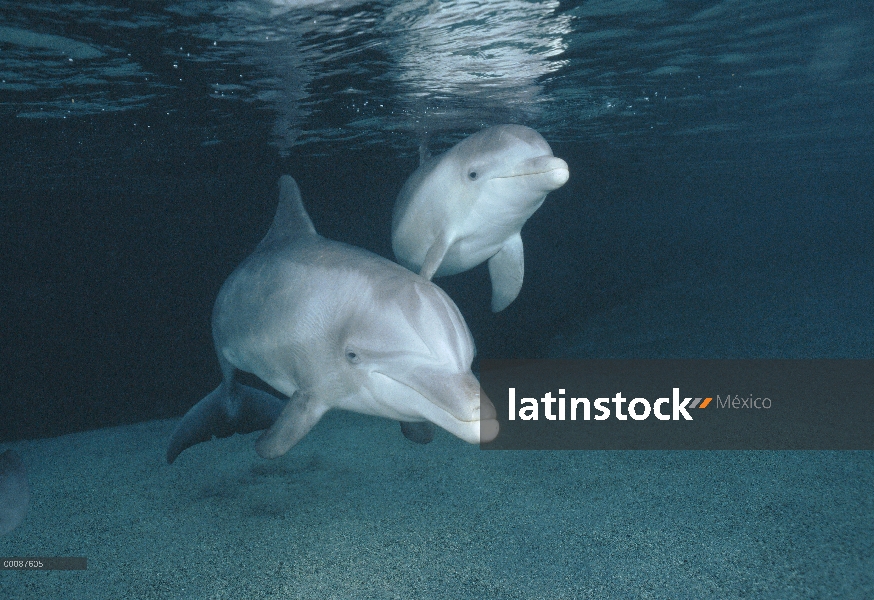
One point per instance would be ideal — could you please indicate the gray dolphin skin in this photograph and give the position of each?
(14, 491)
(334, 326)
(468, 205)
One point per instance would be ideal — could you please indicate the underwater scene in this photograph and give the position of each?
(244, 239)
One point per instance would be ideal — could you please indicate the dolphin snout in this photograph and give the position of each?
(455, 403)
(488, 419)
(473, 405)
(559, 172)
(485, 409)
(550, 172)
(478, 418)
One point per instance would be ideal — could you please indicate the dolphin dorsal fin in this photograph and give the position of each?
(291, 218)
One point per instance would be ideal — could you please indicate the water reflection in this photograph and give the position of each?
(463, 63)
(255, 52)
(419, 67)
(329, 69)
(383, 72)
(48, 70)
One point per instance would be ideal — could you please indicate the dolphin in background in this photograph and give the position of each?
(334, 326)
(468, 205)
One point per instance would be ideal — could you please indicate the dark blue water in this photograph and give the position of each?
(722, 148)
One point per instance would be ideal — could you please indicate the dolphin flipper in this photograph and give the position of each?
(297, 418)
(223, 413)
(421, 432)
(435, 256)
(507, 268)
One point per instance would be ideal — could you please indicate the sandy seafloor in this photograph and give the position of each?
(357, 511)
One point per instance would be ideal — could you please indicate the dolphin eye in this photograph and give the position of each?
(472, 175)
(352, 356)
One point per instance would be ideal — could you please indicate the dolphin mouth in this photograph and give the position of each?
(449, 404)
(442, 395)
(553, 167)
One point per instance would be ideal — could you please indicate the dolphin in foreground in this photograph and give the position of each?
(334, 326)
(468, 205)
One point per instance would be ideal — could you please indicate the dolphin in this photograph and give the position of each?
(334, 326)
(469, 204)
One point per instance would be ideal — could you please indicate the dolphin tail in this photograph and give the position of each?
(230, 408)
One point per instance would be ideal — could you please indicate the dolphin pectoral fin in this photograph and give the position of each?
(230, 408)
(507, 268)
(434, 257)
(420, 432)
(297, 418)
